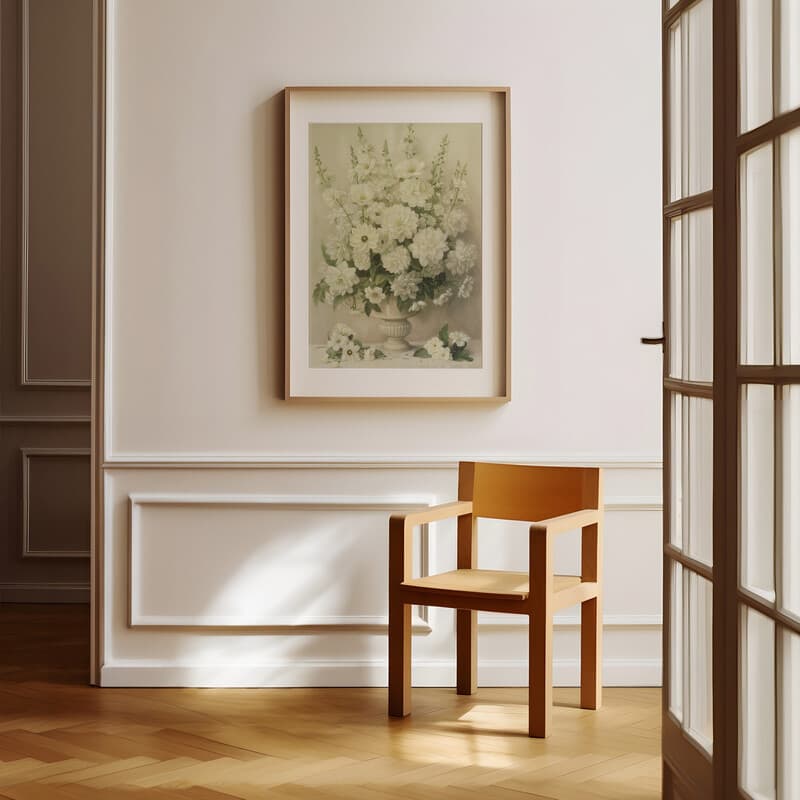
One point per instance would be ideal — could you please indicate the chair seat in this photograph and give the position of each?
(499, 585)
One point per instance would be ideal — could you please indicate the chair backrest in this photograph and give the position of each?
(528, 493)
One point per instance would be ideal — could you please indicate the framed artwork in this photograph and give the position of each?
(397, 243)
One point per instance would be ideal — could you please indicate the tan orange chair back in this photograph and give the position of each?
(527, 493)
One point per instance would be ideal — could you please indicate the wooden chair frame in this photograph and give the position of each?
(539, 602)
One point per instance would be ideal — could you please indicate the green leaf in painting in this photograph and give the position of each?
(328, 260)
(421, 352)
(444, 335)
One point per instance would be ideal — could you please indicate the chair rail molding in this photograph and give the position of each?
(249, 461)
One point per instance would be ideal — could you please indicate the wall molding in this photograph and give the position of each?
(27, 454)
(367, 672)
(25, 379)
(364, 623)
(44, 592)
(15, 419)
(210, 461)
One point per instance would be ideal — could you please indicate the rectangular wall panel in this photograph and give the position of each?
(56, 192)
(55, 502)
(245, 560)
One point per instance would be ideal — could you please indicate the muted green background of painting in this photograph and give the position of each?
(334, 140)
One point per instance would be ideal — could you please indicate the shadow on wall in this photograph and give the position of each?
(268, 230)
(305, 586)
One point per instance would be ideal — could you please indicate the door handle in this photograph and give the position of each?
(654, 339)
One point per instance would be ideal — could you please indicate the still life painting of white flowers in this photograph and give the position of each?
(395, 245)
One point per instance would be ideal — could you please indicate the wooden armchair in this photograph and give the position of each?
(555, 500)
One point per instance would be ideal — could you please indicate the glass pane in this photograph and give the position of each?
(790, 240)
(789, 57)
(789, 721)
(701, 300)
(755, 63)
(678, 433)
(757, 763)
(791, 501)
(676, 113)
(758, 482)
(756, 257)
(699, 124)
(690, 102)
(700, 478)
(676, 333)
(700, 723)
(676, 641)
(691, 296)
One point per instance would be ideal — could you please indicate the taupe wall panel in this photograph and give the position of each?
(14, 398)
(56, 200)
(55, 502)
(15, 568)
(55, 326)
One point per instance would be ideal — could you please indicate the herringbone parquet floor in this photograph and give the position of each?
(62, 740)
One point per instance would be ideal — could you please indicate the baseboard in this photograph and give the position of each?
(616, 672)
(44, 593)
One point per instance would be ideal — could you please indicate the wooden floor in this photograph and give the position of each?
(60, 739)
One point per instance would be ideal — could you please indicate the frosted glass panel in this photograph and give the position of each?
(790, 563)
(755, 63)
(676, 113)
(789, 58)
(757, 342)
(700, 304)
(690, 102)
(691, 296)
(676, 290)
(757, 763)
(789, 722)
(678, 434)
(692, 432)
(700, 469)
(676, 641)
(699, 721)
(790, 240)
(758, 487)
(699, 102)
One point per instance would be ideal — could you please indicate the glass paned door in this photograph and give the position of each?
(731, 194)
(689, 222)
(768, 384)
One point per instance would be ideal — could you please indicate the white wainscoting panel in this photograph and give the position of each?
(274, 569)
(275, 575)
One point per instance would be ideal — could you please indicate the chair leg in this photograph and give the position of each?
(466, 652)
(399, 659)
(540, 673)
(591, 653)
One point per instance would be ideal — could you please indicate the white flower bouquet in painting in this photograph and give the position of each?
(398, 239)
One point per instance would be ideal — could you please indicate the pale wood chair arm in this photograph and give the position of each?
(401, 527)
(458, 508)
(541, 535)
(567, 522)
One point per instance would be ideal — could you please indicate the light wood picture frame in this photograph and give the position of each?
(397, 243)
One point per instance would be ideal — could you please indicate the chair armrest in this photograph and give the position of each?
(567, 522)
(445, 511)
